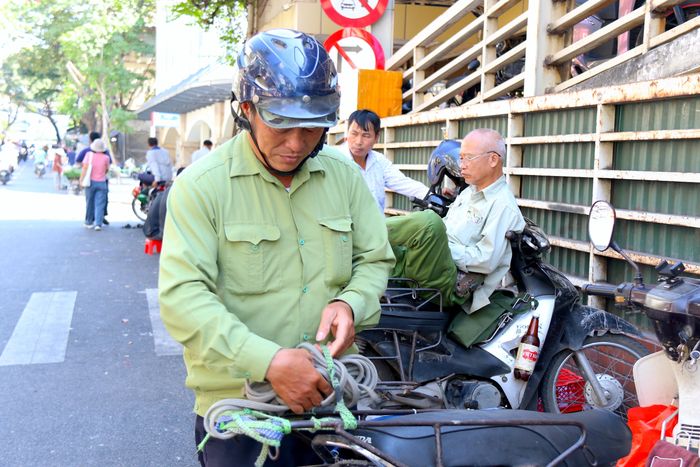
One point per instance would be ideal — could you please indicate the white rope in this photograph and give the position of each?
(356, 374)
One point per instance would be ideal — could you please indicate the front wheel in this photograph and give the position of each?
(140, 209)
(566, 388)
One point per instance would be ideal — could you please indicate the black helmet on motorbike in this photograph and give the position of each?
(444, 160)
(289, 78)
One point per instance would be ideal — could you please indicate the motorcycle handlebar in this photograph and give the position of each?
(420, 202)
(601, 290)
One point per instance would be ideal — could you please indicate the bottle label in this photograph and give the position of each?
(527, 357)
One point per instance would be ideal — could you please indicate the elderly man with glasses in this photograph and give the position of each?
(465, 255)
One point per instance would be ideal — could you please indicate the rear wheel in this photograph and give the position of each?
(566, 388)
(140, 209)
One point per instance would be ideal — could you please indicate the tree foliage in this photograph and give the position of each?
(227, 17)
(85, 59)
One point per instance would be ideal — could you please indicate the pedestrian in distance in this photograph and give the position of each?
(59, 160)
(97, 162)
(203, 151)
(377, 170)
(159, 163)
(268, 243)
(81, 157)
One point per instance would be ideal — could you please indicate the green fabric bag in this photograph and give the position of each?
(469, 329)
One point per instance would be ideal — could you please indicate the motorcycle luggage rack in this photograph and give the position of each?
(688, 436)
(360, 446)
(409, 309)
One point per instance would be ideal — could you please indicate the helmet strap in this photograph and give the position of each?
(243, 122)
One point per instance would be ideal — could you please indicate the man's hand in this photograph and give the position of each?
(295, 380)
(337, 320)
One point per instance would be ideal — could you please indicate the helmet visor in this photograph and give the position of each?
(318, 112)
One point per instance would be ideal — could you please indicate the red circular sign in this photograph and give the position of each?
(360, 39)
(354, 13)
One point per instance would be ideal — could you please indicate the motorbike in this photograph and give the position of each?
(40, 169)
(412, 344)
(22, 154)
(439, 403)
(144, 194)
(669, 376)
(5, 176)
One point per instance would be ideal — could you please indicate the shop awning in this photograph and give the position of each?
(207, 86)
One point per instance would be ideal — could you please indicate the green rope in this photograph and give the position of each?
(349, 421)
(267, 430)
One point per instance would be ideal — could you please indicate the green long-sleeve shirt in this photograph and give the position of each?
(247, 266)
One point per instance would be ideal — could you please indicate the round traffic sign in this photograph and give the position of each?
(356, 48)
(354, 13)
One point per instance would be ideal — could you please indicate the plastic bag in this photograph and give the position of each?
(645, 423)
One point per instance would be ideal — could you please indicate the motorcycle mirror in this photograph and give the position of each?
(601, 224)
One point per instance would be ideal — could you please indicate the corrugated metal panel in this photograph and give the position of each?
(664, 240)
(420, 175)
(559, 156)
(560, 122)
(659, 197)
(498, 123)
(558, 190)
(412, 156)
(571, 262)
(401, 202)
(559, 224)
(432, 132)
(669, 114)
(658, 156)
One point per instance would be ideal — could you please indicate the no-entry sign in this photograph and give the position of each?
(355, 48)
(354, 13)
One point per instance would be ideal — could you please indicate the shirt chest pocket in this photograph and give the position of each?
(337, 244)
(246, 256)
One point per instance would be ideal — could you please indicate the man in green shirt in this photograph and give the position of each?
(269, 242)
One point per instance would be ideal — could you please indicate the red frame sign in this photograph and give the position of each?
(334, 39)
(354, 13)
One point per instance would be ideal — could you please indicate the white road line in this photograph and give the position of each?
(41, 334)
(164, 344)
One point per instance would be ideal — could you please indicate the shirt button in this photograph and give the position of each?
(247, 374)
(255, 247)
(306, 337)
(344, 238)
(305, 290)
(301, 242)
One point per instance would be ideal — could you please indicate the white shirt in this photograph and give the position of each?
(476, 225)
(379, 173)
(159, 163)
(199, 153)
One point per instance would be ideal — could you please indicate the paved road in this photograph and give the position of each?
(87, 376)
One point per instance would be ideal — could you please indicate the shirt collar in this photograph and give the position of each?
(490, 191)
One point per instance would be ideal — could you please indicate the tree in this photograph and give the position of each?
(90, 58)
(29, 80)
(228, 17)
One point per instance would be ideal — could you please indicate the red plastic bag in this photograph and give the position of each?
(645, 423)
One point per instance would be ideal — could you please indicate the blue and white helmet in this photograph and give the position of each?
(289, 78)
(444, 160)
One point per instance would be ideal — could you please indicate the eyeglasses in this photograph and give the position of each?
(473, 157)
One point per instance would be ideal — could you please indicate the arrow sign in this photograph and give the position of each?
(354, 13)
(355, 48)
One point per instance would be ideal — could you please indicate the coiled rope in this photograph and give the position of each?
(352, 377)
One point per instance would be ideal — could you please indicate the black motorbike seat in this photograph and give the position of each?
(607, 439)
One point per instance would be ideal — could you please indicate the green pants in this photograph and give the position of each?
(419, 241)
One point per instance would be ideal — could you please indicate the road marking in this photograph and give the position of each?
(41, 334)
(163, 343)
